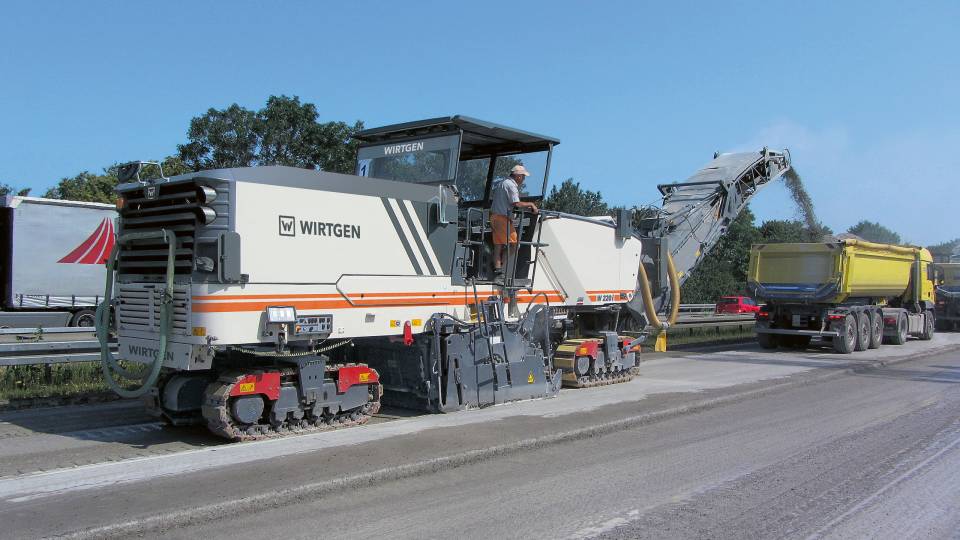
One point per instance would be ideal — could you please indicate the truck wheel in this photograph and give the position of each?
(900, 337)
(863, 331)
(768, 341)
(85, 318)
(928, 322)
(847, 340)
(876, 329)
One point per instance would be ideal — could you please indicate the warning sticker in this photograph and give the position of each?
(248, 387)
(530, 378)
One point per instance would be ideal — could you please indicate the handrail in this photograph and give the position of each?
(111, 367)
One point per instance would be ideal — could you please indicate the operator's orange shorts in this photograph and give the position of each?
(503, 230)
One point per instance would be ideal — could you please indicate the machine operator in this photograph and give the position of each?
(506, 197)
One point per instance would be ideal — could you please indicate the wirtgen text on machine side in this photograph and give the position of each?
(288, 227)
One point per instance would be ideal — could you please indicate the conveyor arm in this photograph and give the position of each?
(694, 216)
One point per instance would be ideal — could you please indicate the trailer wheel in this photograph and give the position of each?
(85, 318)
(768, 341)
(876, 327)
(863, 331)
(928, 322)
(847, 340)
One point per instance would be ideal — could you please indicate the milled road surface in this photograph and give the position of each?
(728, 444)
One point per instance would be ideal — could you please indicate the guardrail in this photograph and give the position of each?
(62, 345)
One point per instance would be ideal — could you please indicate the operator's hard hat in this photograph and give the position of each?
(519, 169)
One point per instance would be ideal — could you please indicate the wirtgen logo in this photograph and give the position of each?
(309, 227)
(288, 226)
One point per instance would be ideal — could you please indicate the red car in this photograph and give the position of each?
(737, 304)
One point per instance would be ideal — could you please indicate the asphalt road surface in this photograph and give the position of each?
(723, 444)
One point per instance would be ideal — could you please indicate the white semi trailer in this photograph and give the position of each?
(51, 272)
(271, 299)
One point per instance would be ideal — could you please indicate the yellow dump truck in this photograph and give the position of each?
(853, 293)
(948, 296)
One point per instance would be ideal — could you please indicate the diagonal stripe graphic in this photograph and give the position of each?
(400, 235)
(410, 221)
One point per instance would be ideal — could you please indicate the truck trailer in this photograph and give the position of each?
(53, 254)
(853, 293)
(948, 296)
(270, 300)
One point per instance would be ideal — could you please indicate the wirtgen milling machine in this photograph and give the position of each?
(274, 299)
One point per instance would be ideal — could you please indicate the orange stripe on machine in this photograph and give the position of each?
(257, 302)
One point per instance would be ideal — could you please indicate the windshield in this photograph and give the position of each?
(472, 174)
(428, 160)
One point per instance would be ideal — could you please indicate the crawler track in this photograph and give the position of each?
(219, 421)
(566, 358)
(602, 380)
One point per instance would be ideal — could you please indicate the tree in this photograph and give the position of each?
(778, 231)
(572, 199)
(85, 186)
(723, 270)
(91, 187)
(284, 132)
(948, 251)
(874, 232)
(7, 189)
(221, 138)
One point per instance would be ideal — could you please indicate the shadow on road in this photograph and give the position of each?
(124, 423)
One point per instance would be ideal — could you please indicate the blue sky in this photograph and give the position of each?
(865, 94)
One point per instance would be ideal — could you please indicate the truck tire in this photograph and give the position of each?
(863, 331)
(876, 329)
(847, 340)
(928, 322)
(768, 341)
(85, 318)
(900, 336)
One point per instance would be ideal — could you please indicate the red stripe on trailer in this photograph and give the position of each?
(95, 255)
(88, 252)
(267, 384)
(348, 376)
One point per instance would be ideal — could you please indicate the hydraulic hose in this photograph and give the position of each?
(647, 296)
(111, 368)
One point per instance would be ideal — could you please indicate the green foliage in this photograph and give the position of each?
(572, 199)
(7, 189)
(948, 251)
(284, 132)
(874, 232)
(221, 138)
(778, 231)
(724, 269)
(85, 186)
(90, 187)
(42, 381)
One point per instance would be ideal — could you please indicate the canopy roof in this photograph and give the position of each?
(480, 138)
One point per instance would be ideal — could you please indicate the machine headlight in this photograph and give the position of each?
(206, 194)
(207, 215)
(281, 314)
